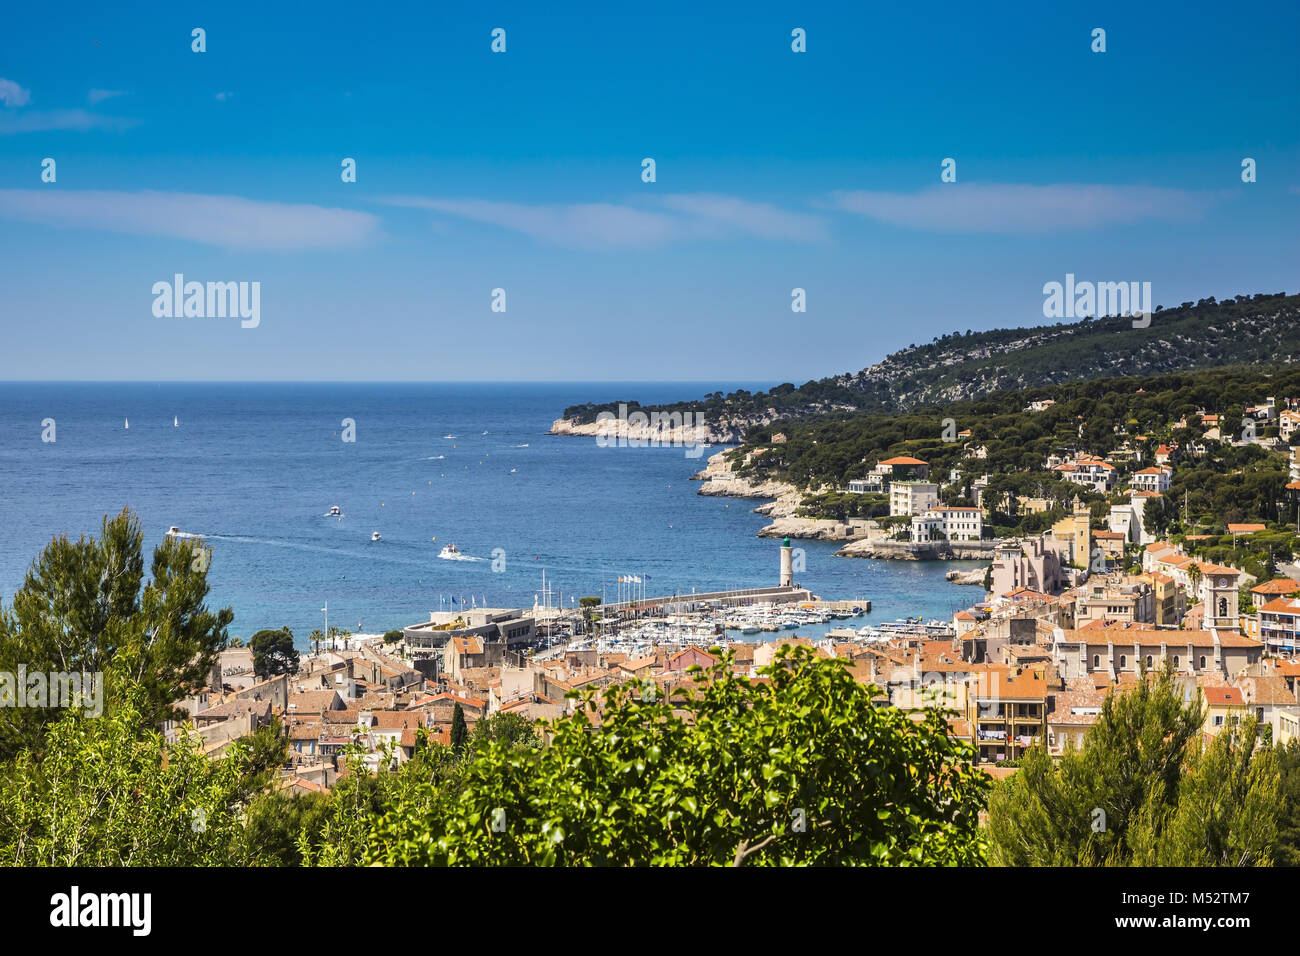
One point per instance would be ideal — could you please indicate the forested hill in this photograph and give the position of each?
(1207, 334)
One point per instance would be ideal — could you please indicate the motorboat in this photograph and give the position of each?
(173, 531)
(450, 551)
(375, 536)
(334, 512)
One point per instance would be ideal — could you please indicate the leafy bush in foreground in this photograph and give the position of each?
(798, 767)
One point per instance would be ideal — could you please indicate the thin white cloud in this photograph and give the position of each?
(42, 121)
(11, 94)
(228, 221)
(674, 217)
(98, 96)
(1010, 208)
(758, 219)
(563, 224)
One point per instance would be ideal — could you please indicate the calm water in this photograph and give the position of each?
(254, 468)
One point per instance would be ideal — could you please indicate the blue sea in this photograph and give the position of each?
(254, 468)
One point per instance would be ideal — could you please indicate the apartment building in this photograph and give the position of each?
(1033, 563)
(912, 497)
(1216, 652)
(1006, 711)
(1277, 623)
(1126, 601)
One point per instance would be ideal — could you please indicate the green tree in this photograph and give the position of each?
(1227, 808)
(273, 653)
(1288, 844)
(459, 730)
(86, 606)
(1140, 792)
(511, 728)
(102, 793)
(798, 768)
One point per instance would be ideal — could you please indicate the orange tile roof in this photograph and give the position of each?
(1282, 605)
(1223, 696)
(1280, 586)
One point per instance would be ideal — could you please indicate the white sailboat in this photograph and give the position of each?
(176, 422)
(128, 423)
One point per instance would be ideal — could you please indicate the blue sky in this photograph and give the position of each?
(522, 171)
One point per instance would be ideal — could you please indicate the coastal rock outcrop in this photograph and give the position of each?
(967, 577)
(719, 480)
(688, 436)
(819, 529)
(884, 549)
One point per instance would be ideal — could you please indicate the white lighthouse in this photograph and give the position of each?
(787, 564)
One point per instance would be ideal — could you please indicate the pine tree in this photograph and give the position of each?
(1144, 791)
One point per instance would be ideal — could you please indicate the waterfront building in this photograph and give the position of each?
(948, 523)
(508, 628)
(912, 497)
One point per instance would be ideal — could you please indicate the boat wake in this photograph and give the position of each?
(368, 555)
(460, 557)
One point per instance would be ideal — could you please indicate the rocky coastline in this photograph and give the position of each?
(887, 549)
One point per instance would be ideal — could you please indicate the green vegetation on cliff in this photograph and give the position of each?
(964, 365)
